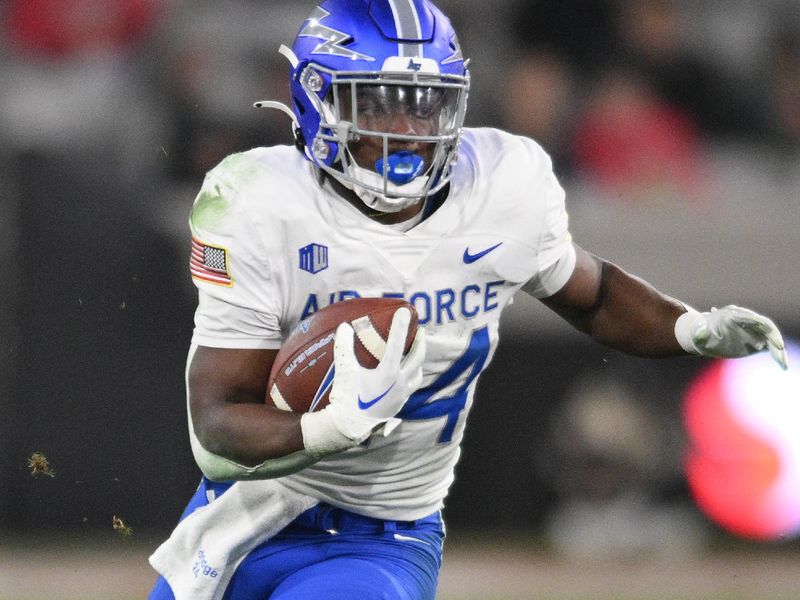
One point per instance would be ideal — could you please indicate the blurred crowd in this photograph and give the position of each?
(628, 94)
(634, 95)
(111, 111)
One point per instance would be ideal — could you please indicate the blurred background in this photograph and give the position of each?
(675, 128)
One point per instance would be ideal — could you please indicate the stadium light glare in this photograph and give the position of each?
(742, 462)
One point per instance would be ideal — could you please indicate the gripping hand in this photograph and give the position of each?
(363, 399)
(730, 332)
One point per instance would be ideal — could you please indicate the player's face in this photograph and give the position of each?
(398, 110)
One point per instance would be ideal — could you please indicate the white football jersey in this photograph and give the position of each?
(271, 245)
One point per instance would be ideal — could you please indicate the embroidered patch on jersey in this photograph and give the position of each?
(314, 258)
(209, 263)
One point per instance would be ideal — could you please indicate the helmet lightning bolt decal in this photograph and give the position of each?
(457, 55)
(332, 39)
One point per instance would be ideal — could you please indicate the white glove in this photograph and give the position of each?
(730, 332)
(361, 399)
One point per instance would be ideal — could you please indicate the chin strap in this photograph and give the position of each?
(299, 141)
(290, 56)
(279, 106)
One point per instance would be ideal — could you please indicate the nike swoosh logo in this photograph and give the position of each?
(365, 405)
(471, 258)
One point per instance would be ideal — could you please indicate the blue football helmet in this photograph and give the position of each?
(379, 92)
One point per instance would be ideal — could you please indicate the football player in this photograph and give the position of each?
(384, 193)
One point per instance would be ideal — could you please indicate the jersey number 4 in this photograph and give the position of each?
(420, 405)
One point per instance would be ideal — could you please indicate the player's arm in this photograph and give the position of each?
(624, 312)
(226, 397)
(234, 434)
(617, 309)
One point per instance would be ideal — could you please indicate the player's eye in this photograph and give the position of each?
(427, 103)
(424, 111)
(373, 107)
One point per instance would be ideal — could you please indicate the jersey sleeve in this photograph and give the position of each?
(220, 324)
(555, 252)
(238, 298)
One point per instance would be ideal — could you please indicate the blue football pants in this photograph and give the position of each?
(328, 553)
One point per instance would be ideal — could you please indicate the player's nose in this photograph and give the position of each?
(403, 124)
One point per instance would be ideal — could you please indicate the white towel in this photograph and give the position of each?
(200, 557)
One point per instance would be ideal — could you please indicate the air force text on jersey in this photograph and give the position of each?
(433, 307)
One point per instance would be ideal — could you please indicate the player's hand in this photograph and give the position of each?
(730, 332)
(363, 399)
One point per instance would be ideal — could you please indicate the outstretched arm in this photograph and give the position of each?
(617, 309)
(624, 312)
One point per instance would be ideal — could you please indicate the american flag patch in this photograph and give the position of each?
(209, 263)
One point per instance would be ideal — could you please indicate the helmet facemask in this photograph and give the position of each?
(395, 135)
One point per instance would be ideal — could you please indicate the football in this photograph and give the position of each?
(302, 374)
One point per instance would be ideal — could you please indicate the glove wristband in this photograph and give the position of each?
(683, 330)
(321, 437)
